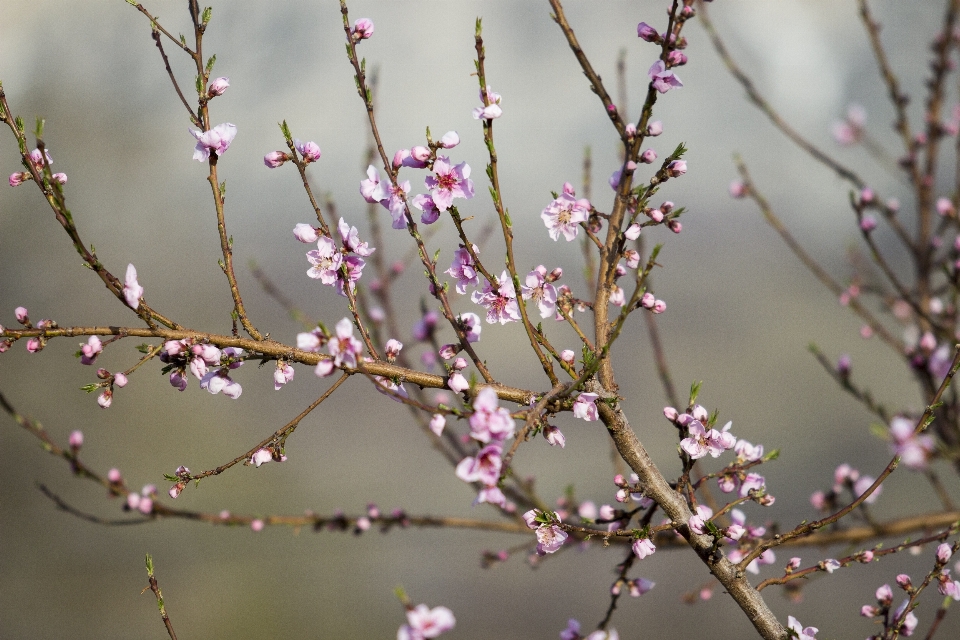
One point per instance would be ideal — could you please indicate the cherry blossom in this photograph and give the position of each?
(424, 622)
(585, 407)
(643, 547)
(282, 375)
(362, 29)
(463, 269)
(326, 260)
(541, 291)
(351, 239)
(343, 347)
(489, 421)
(310, 151)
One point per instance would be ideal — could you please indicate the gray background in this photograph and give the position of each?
(740, 313)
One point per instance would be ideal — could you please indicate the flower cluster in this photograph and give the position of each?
(332, 265)
(343, 347)
(206, 362)
(490, 425)
(550, 536)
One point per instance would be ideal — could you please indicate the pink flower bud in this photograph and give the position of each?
(76, 440)
(449, 140)
(631, 130)
(449, 351)
(648, 156)
(218, 86)
(648, 33)
(943, 551)
(275, 158)
(18, 178)
(60, 178)
(670, 414)
(362, 29)
(945, 207)
(868, 611)
(306, 233)
(105, 399)
(646, 301)
(393, 349)
(459, 364)
(866, 557)
(257, 525)
(310, 151)
(659, 306)
(145, 505)
(530, 517)
(738, 189)
(655, 214)
(420, 153)
(676, 59)
(34, 345)
(904, 581)
(677, 168)
(114, 476)
(261, 456)
(568, 356)
(868, 223)
(437, 423)
(457, 382)
(655, 128)
(176, 489)
(21, 315)
(675, 225)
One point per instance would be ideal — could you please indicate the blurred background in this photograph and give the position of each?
(740, 308)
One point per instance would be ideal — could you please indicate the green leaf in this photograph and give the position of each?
(285, 130)
(149, 565)
(199, 85)
(695, 391)
(211, 62)
(479, 29)
(39, 129)
(207, 13)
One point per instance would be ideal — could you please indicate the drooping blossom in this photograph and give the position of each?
(132, 291)
(215, 140)
(424, 622)
(554, 436)
(471, 325)
(648, 33)
(90, 350)
(565, 214)
(449, 182)
(463, 269)
(585, 407)
(662, 79)
(541, 291)
(699, 519)
(326, 260)
(217, 380)
(282, 375)
(490, 422)
(643, 547)
(491, 108)
(677, 168)
(261, 456)
(500, 300)
(343, 347)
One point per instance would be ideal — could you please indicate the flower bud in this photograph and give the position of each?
(21, 315)
(648, 33)
(654, 129)
(449, 140)
(568, 356)
(275, 158)
(648, 156)
(218, 86)
(76, 440)
(362, 29)
(677, 168)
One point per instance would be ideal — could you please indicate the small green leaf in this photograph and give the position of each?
(199, 85)
(695, 391)
(478, 30)
(149, 565)
(207, 13)
(39, 129)
(211, 62)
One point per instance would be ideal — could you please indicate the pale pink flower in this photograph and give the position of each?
(662, 79)
(216, 140)
(541, 291)
(914, 450)
(471, 325)
(90, 350)
(449, 182)
(463, 269)
(449, 140)
(326, 260)
(585, 407)
(643, 547)
(343, 347)
(550, 537)
(489, 421)
(491, 109)
(261, 456)
(371, 189)
(424, 622)
(351, 239)
(437, 423)
(565, 214)
(217, 380)
(362, 29)
(306, 233)
(132, 291)
(282, 375)
(310, 151)
(218, 86)
(275, 159)
(484, 468)
(425, 203)
(554, 436)
(500, 300)
(802, 633)
(76, 440)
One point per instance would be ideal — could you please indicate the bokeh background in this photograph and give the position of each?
(741, 310)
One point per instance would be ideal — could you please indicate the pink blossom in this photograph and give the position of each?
(550, 537)
(90, 350)
(60, 178)
(310, 151)
(282, 375)
(945, 207)
(36, 158)
(661, 79)
(572, 632)
(703, 441)
(449, 182)
(914, 450)
(699, 519)
(491, 108)
(643, 547)
(862, 484)
(326, 260)
(677, 168)
(471, 326)
(424, 622)
(500, 300)
(351, 239)
(449, 140)
(648, 156)
(585, 407)
(261, 456)
(490, 422)
(119, 380)
(425, 203)
(275, 159)
(747, 452)
(648, 33)
(362, 29)
(216, 140)
(132, 291)
(18, 178)
(752, 482)
(564, 215)
(396, 203)
(343, 347)
(437, 423)
(655, 128)
(484, 468)
(909, 619)
(463, 269)
(554, 436)
(850, 131)
(217, 380)
(568, 356)
(257, 525)
(808, 633)
(457, 383)
(538, 289)
(306, 233)
(76, 440)
(105, 399)
(371, 189)
(218, 87)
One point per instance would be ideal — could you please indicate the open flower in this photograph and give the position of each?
(449, 182)
(215, 140)
(662, 79)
